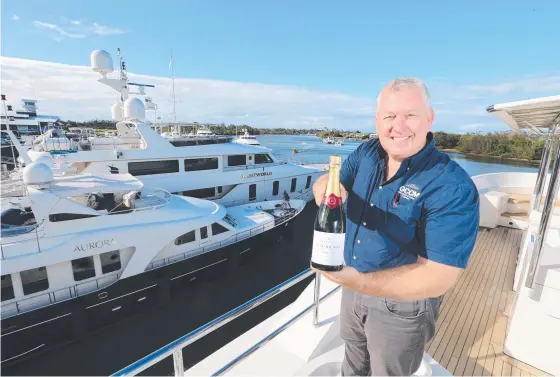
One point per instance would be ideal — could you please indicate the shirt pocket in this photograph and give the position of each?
(398, 223)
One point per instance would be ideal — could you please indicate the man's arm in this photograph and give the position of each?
(410, 282)
(449, 230)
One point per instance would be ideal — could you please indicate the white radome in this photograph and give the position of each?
(37, 173)
(101, 62)
(116, 112)
(134, 109)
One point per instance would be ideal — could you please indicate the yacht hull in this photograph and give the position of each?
(31, 333)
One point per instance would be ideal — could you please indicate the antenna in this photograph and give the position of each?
(173, 87)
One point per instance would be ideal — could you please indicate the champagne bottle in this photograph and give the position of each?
(330, 224)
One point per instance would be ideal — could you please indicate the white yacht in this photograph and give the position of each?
(246, 138)
(303, 338)
(205, 167)
(79, 252)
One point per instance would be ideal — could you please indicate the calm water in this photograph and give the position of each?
(312, 150)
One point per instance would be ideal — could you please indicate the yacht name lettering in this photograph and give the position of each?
(94, 245)
(264, 173)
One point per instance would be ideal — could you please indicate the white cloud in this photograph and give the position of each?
(76, 29)
(73, 93)
(15, 17)
(55, 28)
(105, 30)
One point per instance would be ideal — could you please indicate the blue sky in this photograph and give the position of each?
(471, 54)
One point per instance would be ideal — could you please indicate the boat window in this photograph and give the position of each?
(203, 233)
(196, 164)
(185, 238)
(252, 192)
(219, 189)
(182, 143)
(237, 160)
(275, 187)
(110, 261)
(68, 216)
(83, 268)
(308, 183)
(34, 280)
(218, 229)
(7, 288)
(263, 158)
(201, 193)
(294, 183)
(230, 220)
(153, 167)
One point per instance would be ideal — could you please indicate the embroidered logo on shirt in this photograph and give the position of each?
(410, 191)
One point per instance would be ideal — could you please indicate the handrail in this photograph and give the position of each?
(73, 292)
(228, 241)
(546, 217)
(277, 332)
(175, 348)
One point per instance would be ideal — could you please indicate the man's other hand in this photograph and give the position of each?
(320, 187)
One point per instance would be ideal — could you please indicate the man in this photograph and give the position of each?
(412, 222)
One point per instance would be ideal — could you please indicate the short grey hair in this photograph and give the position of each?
(407, 82)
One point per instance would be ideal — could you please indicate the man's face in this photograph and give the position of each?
(402, 121)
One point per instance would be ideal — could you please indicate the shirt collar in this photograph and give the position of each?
(412, 160)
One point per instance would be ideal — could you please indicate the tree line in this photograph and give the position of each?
(499, 144)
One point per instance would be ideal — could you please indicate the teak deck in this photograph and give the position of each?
(471, 327)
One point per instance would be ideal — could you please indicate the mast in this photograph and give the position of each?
(173, 87)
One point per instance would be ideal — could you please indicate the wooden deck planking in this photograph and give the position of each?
(473, 319)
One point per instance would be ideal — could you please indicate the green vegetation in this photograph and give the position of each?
(503, 144)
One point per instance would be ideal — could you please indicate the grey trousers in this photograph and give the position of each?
(385, 337)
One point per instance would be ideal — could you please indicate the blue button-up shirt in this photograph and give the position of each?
(430, 208)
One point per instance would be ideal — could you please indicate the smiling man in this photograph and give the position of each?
(412, 222)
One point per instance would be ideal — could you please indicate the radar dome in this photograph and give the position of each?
(134, 109)
(101, 62)
(37, 173)
(116, 112)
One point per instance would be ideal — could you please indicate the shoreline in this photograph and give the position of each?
(499, 158)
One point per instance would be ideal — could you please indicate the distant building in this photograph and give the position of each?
(373, 136)
(25, 120)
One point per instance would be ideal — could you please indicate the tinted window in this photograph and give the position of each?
(110, 261)
(203, 233)
(308, 183)
(218, 229)
(252, 192)
(7, 288)
(275, 187)
(294, 183)
(201, 193)
(68, 216)
(263, 159)
(219, 189)
(185, 238)
(237, 160)
(34, 280)
(153, 167)
(83, 268)
(195, 164)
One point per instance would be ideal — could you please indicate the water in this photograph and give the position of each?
(312, 150)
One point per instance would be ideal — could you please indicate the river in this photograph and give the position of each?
(312, 150)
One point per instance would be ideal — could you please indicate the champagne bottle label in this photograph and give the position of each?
(332, 201)
(328, 248)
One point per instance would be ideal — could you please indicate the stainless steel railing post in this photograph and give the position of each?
(178, 362)
(543, 167)
(546, 217)
(316, 299)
